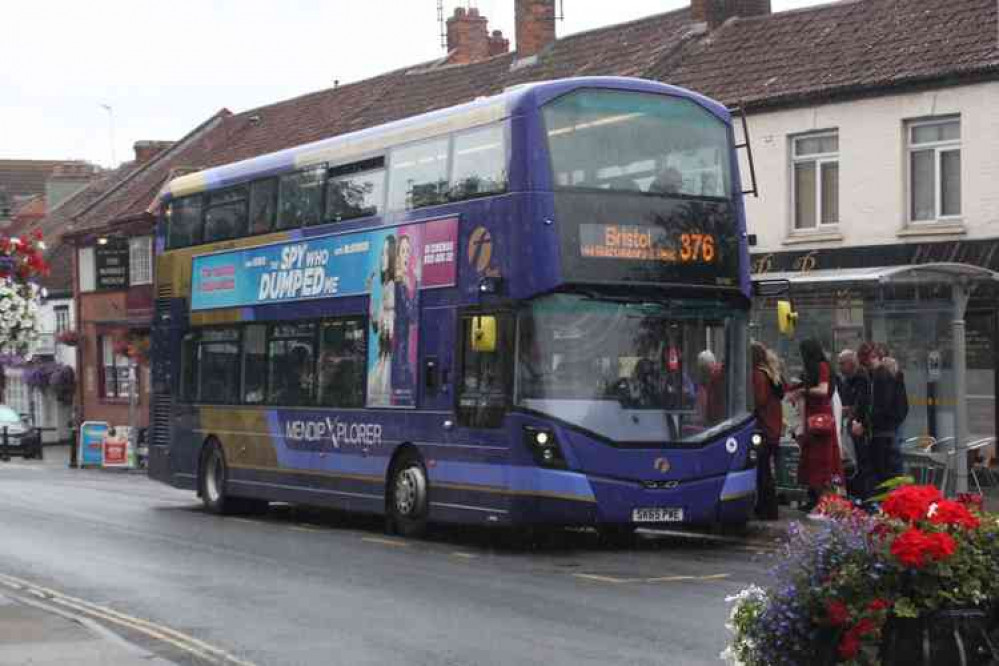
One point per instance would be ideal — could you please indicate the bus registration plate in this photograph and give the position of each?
(657, 514)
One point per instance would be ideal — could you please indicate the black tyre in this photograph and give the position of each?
(212, 484)
(408, 504)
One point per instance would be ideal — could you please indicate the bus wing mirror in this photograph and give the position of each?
(483, 333)
(787, 318)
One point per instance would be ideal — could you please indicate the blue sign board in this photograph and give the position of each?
(92, 435)
(322, 267)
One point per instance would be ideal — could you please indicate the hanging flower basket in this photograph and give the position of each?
(21, 263)
(70, 338)
(865, 589)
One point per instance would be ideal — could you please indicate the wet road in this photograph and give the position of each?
(314, 587)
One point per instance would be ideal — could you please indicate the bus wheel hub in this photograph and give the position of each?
(410, 487)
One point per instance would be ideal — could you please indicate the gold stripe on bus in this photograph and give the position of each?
(240, 449)
(496, 490)
(370, 478)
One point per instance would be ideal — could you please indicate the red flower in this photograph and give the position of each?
(911, 502)
(37, 234)
(878, 605)
(940, 546)
(849, 645)
(953, 514)
(838, 613)
(864, 627)
(914, 548)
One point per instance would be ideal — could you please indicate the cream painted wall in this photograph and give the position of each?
(872, 165)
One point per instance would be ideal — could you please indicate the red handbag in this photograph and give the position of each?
(820, 424)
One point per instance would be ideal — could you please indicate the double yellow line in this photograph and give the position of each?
(191, 645)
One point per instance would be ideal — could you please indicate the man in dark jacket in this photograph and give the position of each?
(886, 416)
(855, 394)
(901, 411)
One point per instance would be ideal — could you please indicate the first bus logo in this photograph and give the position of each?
(480, 249)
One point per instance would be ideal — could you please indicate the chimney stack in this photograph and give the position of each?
(535, 26)
(498, 44)
(467, 36)
(716, 12)
(147, 150)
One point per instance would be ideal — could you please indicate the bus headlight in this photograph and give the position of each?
(544, 447)
(756, 440)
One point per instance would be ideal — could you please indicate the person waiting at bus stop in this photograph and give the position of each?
(855, 392)
(887, 412)
(820, 467)
(768, 393)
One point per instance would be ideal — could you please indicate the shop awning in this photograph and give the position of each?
(939, 273)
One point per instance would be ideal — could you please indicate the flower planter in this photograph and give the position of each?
(957, 637)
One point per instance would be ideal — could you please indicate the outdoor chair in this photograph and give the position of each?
(928, 459)
(979, 463)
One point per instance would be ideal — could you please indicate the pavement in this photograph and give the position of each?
(35, 633)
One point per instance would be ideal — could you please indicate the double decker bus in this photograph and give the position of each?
(527, 309)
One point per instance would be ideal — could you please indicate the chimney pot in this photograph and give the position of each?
(535, 26)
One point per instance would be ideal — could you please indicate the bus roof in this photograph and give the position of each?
(371, 141)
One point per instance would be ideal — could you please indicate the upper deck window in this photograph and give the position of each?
(419, 175)
(637, 142)
(356, 190)
(225, 214)
(185, 221)
(479, 163)
(299, 199)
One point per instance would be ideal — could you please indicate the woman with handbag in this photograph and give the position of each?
(820, 467)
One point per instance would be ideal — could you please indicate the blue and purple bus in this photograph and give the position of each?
(527, 309)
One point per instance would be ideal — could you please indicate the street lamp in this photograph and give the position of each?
(107, 107)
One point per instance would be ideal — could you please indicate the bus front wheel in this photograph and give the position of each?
(212, 485)
(408, 488)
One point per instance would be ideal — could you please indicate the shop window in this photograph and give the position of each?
(299, 199)
(115, 375)
(140, 260)
(418, 175)
(815, 182)
(486, 358)
(87, 269)
(355, 190)
(934, 169)
(342, 360)
(291, 364)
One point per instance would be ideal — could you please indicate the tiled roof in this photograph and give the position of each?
(849, 47)
(844, 47)
(22, 178)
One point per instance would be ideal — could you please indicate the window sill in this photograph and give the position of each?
(948, 228)
(821, 236)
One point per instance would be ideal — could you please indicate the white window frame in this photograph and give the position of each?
(819, 159)
(58, 310)
(938, 148)
(140, 260)
(87, 269)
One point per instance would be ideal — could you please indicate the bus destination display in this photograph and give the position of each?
(641, 243)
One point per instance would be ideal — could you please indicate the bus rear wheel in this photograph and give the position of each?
(214, 496)
(408, 490)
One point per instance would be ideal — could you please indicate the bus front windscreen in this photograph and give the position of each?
(638, 142)
(633, 372)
